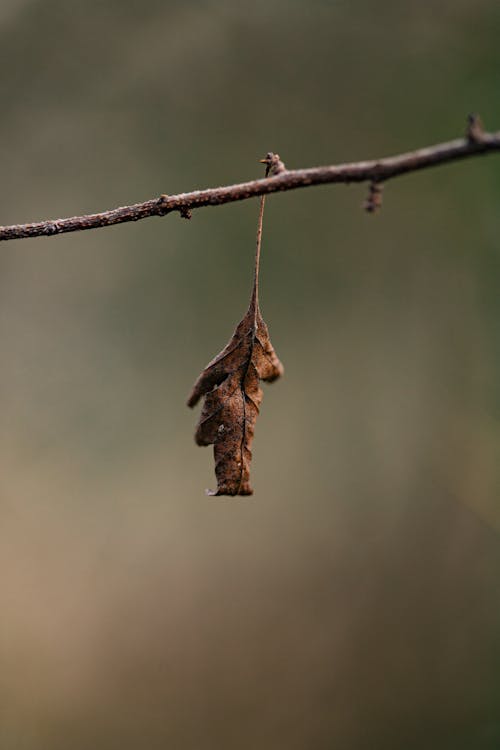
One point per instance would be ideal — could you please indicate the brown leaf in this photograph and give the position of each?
(230, 384)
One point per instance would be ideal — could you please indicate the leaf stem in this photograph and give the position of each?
(255, 292)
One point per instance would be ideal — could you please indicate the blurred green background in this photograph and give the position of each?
(354, 601)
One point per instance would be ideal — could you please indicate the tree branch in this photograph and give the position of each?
(476, 142)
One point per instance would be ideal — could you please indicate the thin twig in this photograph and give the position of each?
(476, 142)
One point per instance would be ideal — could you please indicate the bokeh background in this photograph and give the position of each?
(354, 600)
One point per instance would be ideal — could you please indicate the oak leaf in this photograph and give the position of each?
(230, 385)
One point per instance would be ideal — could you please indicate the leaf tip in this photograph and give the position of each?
(243, 490)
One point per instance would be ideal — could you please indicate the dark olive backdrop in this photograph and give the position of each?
(354, 601)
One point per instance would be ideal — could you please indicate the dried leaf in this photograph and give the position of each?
(230, 384)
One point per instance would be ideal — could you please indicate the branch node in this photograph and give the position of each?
(373, 201)
(475, 130)
(161, 202)
(185, 212)
(274, 164)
